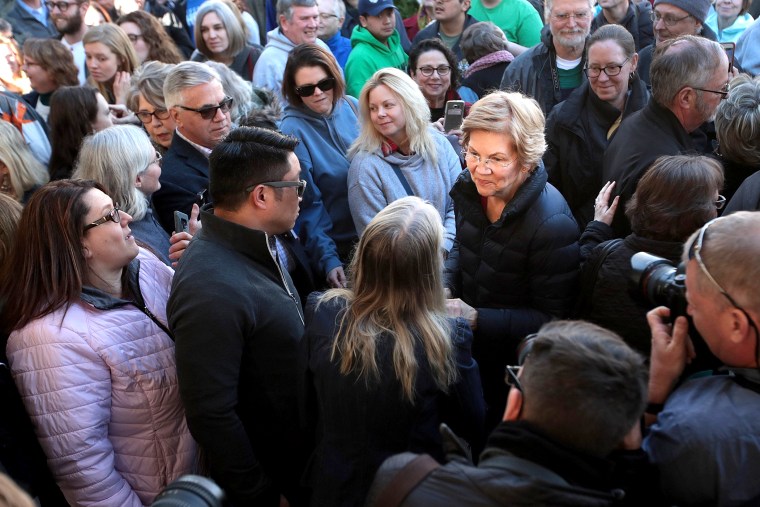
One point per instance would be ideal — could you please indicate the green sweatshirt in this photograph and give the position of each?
(370, 55)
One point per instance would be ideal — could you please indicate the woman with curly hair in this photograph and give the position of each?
(149, 39)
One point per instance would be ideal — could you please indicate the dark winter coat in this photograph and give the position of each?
(638, 22)
(747, 197)
(576, 132)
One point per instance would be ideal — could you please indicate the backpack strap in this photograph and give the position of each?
(402, 179)
(589, 275)
(406, 480)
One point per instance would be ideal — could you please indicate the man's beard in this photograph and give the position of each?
(73, 25)
(574, 40)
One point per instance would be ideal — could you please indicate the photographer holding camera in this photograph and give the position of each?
(706, 437)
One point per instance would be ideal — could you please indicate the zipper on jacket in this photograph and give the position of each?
(282, 276)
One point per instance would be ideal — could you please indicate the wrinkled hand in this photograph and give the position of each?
(603, 211)
(671, 351)
(121, 83)
(458, 308)
(337, 278)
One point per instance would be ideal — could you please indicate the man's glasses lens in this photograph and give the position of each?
(300, 185)
(326, 84)
(208, 113)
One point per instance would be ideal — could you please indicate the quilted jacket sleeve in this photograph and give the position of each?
(66, 389)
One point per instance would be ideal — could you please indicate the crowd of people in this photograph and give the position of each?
(252, 241)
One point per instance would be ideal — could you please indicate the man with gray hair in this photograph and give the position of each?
(689, 79)
(551, 70)
(705, 441)
(199, 107)
(298, 24)
(332, 13)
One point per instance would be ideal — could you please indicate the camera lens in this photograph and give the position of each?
(190, 491)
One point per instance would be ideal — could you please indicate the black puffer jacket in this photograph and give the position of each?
(520, 270)
(576, 132)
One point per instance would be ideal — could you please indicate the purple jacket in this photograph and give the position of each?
(99, 382)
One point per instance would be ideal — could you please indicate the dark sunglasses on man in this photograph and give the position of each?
(209, 112)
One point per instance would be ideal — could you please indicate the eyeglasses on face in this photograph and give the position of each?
(510, 377)
(667, 18)
(442, 70)
(112, 216)
(156, 160)
(300, 185)
(326, 84)
(578, 16)
(489, 163)
(610, 70)
(61, 6)
(147, 117)
(720, 202)
(325, 16)
(723, 93)
(695, 253)
(209, 112)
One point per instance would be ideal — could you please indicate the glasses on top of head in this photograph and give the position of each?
(300, 185)
(667, 19)
(510, 377)
(578, 16)
(695, 253)
(112, 216)
(722, 92)
(489, 163)
(610, 70)
(61, 6)
(442, 70)
(147, 117)
(326, 84)
(209, 112)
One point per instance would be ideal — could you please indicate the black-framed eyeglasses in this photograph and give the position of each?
(667, 19)
(610, 70)
(510, 377)
(442, 70)
(723, 92)
(720, 202)
(209, 112)
(578, 16)
(112, 216)
(147, 117)
(300, 185)
(326, 84)
(695, 253)
(61, 6)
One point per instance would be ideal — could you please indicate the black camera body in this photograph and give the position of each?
(660, 282)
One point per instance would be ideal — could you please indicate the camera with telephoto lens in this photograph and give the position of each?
(190, 491)
(660, 282)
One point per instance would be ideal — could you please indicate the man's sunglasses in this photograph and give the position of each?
(209, 112)
(327, 83)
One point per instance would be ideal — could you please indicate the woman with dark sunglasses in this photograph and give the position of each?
(325, 120)
(90, 350)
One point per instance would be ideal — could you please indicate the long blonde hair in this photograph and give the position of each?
(24, 171)
(415, 109)
(397, 292)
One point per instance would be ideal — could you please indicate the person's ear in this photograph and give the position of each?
(138, 181)
(258, 197)
(634, 61)
(363, 21)
(86, 251)
(174, 112)
(514, 405)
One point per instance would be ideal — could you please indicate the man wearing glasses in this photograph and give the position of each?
(68, 16)
(31, 18)
(706, 437)
(689, 79)
(237, 321)
(196, 100)
(578, 395)
(671, 19)
(551, 70)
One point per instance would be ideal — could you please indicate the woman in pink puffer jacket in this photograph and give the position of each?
(90, 351)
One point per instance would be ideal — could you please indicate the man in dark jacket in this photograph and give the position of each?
(579, 393)
(552, 69)
(689, 78)
(237, 321)
(635, 16)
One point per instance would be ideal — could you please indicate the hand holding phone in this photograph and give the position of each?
(453, 115)
(181, 222)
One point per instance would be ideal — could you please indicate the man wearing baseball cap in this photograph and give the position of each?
(376, 44)
(673, 18)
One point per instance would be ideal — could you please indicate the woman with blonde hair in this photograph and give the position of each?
(516, 256)
(111, 60)
(12, 76)
(398, 153)
(20, 173)
(220, 36)
(385, 345)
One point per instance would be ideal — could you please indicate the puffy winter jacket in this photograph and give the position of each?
(99, 382)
